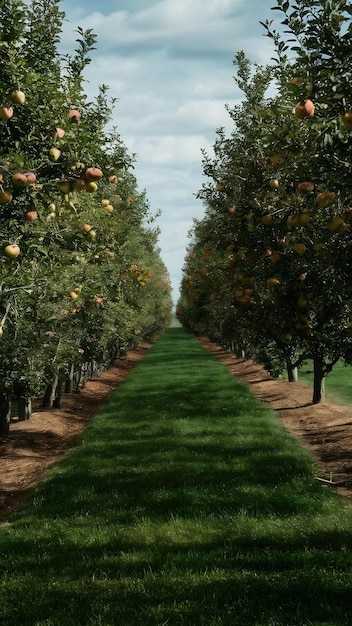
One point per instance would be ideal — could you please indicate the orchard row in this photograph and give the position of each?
(81, 278)
(269, 268)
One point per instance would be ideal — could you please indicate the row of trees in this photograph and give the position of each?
(269, 267)
(81, 277)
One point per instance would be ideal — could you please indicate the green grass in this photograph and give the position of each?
(185, 503)
(338, 384)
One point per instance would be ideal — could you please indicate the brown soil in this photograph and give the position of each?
(33, 446)
(326, 428)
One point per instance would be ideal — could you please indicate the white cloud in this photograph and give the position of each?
(170, 65)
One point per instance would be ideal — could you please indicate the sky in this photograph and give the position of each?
(169, 64)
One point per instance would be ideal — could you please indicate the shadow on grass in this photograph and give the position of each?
(185, 503)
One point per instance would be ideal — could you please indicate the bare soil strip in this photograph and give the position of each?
(34, 446)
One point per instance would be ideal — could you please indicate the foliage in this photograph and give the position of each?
(77, 220)
(278, 201)
(187, 502)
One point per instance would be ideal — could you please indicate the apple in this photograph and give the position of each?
(296, 81)
(31, 216)
(1, 331)
(31, 177)
(54, 154)
(302, 276)
(6, 113)
(299, 248)
(5, 196)
(305, 185)
(74, 115)
(348, 213)
(303, 218)
(64, 186)
(273, 183)
(347, 120)
(112, 179)
(275, 159)
(325, 198)
(99, 300)
(231, 209)
(292, 220)
(110, 208)
(337, 224)
(73, 295)
(305, 108)
(267, 219)
(19, 180)
(91, 234)
(79, 184)
(105, 202)
(18, 96)
(93, 174)
(91, 187)
(86, 228)
(318, 246)
(272, 282)
(302, 301)
(59, 133)
(12, 250)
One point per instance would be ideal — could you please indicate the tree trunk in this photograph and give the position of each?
(24, 407)
(69, 379)
(292, 372)
(5, 413)
(319, 381)
(51, 391)
(58, 394)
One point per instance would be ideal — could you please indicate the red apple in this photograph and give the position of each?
(74, 115)
(31, 216)
(6, 113)
(59, 133)
(325, 198)
(31, 177)
(305, 108)
(305, 186)
(296, 81)
(19, 180)
(93, 174)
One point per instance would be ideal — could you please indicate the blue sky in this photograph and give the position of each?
(170, 65)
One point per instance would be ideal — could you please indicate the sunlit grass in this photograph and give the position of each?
(338, 384)
(186, 502)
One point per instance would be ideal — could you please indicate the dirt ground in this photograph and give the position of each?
(33, 446)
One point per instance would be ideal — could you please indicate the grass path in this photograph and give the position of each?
(186, 503)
